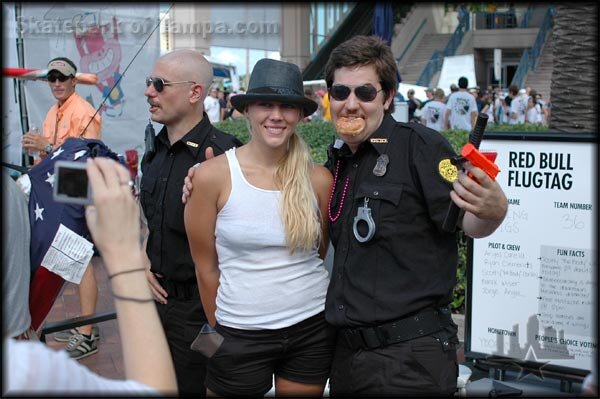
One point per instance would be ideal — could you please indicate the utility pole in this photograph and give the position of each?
(20, 83)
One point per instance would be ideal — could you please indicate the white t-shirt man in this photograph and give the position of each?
(434, 115)
(518, 109)
(212, 108)
(461, 106)
(534, 114)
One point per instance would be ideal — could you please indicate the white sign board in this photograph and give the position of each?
(454, 68)
(533, 281)
(403, 89)
(400, 113)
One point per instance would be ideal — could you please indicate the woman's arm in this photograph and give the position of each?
(113, 221)
(200, 217)
(322, 182)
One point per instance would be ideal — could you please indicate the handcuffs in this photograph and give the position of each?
(364, 214)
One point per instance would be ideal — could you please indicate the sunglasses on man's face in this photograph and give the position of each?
(365, 93)
(60, 77)
(159, 83)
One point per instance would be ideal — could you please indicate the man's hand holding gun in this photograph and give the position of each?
(477, 159)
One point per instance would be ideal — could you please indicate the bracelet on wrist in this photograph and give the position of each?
(138, 300)
(141, 269)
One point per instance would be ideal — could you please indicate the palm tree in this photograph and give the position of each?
(574, 87)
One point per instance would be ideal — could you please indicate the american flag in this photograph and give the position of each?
(46, 215)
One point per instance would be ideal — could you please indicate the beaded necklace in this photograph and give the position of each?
(339, 211)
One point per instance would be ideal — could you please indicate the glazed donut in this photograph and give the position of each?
(351, 126)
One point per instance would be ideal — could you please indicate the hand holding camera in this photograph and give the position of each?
(114, 217)
(111, 214)
(71, 183)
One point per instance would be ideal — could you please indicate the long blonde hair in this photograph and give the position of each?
(299, 208)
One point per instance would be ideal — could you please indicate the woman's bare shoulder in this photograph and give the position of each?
(212, 170)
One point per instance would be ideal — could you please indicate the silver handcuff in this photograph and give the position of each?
(364, 214)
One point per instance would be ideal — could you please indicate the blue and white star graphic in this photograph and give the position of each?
(50, 179)
(38, 212)
(57, 152)
(79, 154)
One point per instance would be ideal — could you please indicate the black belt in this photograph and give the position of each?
(179, 290)
(421, 324)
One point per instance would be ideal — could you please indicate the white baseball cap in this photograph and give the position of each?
(61, 66)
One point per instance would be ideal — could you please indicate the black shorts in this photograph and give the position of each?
(247, 359)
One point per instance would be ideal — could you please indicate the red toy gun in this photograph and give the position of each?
(472, 154)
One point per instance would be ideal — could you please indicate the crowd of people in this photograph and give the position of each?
(234, 268)
(455, 109)
(512, 106)
(217, 104)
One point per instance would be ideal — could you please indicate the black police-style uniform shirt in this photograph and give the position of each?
(410, 263)
(162, 182)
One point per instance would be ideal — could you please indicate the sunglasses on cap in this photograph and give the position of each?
(365, 93)
(59, 76)
(159, 83)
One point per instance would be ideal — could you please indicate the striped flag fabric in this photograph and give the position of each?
(46, 215)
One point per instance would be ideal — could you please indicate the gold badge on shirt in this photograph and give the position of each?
(448, 170)
(191, 144)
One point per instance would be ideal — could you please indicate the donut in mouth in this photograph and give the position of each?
(350, 126)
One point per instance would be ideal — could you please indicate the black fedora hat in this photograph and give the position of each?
(273, 80)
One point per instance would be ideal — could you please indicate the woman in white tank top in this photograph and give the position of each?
(257, 227)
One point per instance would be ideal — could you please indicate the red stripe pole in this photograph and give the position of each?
(41, 74)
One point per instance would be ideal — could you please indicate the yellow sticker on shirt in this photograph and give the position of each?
(447, 170)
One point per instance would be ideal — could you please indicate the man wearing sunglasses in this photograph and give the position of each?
(176, 89)
(394, 265)
(71, 116)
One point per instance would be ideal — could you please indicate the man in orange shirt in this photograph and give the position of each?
(70, 117)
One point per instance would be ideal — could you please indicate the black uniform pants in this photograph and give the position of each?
(182, 320)
(419, 367)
